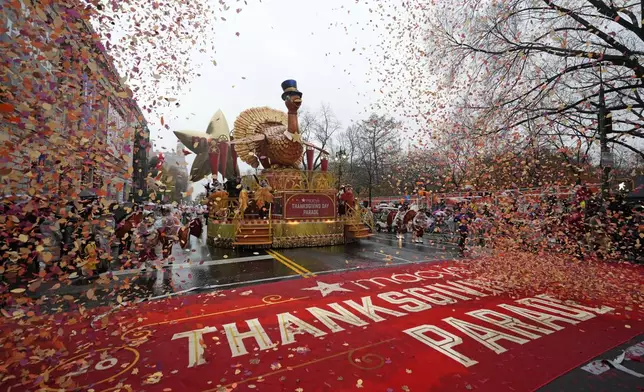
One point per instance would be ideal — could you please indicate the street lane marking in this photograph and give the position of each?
(435, 245)
(290, 264)
(293, 262)
(221, 261)
(280, 278)
(194, 264)
(286, 263)
(433, 241)
(386, 256)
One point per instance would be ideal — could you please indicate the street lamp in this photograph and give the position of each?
(340, 156)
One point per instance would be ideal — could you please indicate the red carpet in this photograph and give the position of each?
(337, 332)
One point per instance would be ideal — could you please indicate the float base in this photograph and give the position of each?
(285, 234)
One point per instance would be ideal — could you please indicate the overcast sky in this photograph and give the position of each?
(308, 40)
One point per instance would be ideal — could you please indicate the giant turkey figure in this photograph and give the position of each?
(261, 135)
(269, 136)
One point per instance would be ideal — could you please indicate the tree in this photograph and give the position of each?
(456, 150)
(318, 128)
(347, 141)
(369, 147)
(417, 164)
(306, 120)
(376, 136)
(543, 63)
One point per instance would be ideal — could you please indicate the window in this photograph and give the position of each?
(87, 175)
(97, 181)
(88, 96)
(115, 129)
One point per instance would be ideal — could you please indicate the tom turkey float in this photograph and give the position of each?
(282, 206)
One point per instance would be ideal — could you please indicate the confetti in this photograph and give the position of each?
(153, 378)
(501, 135)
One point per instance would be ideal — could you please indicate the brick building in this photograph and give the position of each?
(68, 123)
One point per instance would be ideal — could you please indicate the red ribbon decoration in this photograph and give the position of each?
(309, 158)
(325, 164)
(234, 154)
(213, 155)
(223, 153)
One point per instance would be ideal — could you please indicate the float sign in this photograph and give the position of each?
(309, 206)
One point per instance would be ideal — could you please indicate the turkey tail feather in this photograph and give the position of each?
(251, 122)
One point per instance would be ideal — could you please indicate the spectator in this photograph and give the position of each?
(462, 221)
(170, 226)
(147, 238)
(400, 222)
(420, 224)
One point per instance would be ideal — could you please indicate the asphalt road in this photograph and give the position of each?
(200, 267)
(205, 267)
(618, 370)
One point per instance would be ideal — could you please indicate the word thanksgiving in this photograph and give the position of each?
(489, 327)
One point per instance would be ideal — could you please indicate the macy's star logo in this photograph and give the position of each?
(326, 288)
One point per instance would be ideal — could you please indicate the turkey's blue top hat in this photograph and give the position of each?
(290, 88)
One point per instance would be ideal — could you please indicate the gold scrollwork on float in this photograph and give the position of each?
(219, 205)
(303, 183)
(136, 336)
(272, 299)
(285, 179)
(369, 361)
(321, 181)
(250, 182)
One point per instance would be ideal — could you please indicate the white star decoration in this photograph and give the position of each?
(326, 288)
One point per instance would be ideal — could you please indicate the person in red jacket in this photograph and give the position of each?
(347, 197)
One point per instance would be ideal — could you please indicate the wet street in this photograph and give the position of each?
(204, 267)
(200, 268)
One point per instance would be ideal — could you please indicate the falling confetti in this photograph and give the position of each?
(469, 105)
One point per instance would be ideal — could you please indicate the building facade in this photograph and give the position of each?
(68, 124)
